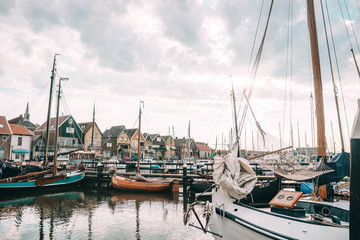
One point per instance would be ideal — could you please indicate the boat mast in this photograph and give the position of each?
(235, 119)
(57, 125)
(49, 110)
(138, 153)
(319, 107)
(93, 126)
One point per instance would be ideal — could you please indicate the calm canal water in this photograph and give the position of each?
(95, 214)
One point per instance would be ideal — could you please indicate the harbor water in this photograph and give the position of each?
(95, 213)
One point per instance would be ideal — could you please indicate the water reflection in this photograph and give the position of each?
(95, 214)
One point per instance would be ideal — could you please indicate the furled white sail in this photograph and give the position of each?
(233, 175)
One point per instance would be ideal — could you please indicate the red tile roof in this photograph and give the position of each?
(4, 126)
(203, 147)
(20, 130)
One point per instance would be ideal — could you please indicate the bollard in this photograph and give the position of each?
(355, 177)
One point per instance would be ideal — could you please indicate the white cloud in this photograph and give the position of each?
(177, 56)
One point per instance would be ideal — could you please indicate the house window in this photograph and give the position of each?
(95, 135)
(2, 153)
(70, 130)
(70, 121)
(4, 138)
(109, 144)
(121, 138)
(19, 141)
(17, 156)
(158, 139)
(1, 126)
(126, 139)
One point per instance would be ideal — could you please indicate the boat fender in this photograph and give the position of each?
(335, 219)
(325, 211)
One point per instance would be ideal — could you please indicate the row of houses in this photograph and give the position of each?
(21, 140)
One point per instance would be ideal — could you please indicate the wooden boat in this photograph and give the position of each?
(41, 183)
(140, 183)
(131, 184)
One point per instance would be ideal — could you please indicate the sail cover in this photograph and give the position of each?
(233, 175)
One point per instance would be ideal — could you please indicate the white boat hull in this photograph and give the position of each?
(237, 221)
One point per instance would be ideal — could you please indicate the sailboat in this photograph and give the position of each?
(140, 183)
(288, 215)
(44, 180)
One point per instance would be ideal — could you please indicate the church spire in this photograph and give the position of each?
(27, 114)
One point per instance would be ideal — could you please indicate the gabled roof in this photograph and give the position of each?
(147, 137)
(4, 126)
(16, 120)
(114, 131)
(179, 141)
(166, 137)
(36, 137)
(28, 125)
(62, 119)
(203, 147)
(20, 130)
(87, 126)
(153, 136)
(131, 132)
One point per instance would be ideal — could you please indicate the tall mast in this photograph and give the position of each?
(319, 106)
(57, 124)
(53, 73)
(138, 153)
(93, 126)
(235, 119)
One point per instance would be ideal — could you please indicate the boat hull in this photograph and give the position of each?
(127, 184)
(71, 179)
(239, 221)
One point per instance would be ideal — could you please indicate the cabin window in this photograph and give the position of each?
(19, 141)
(109, 144)
(4, 138)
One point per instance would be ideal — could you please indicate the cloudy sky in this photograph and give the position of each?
(180, 58)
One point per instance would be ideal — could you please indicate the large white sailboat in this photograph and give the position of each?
(288, 215)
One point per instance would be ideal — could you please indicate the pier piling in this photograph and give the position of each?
(355, 177)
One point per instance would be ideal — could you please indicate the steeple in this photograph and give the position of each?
(27, 114)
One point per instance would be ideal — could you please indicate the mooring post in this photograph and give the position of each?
(184, 179)
(355, 177)
(99, 170)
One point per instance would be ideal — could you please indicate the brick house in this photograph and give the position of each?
(5, 138)
(115, 141)
(87, 128)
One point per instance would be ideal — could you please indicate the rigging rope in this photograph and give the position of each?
(352, 27)
(332, 74)
(257, 27)
(338, 71)
(254, 70)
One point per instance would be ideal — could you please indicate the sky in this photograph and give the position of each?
(181, 58)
